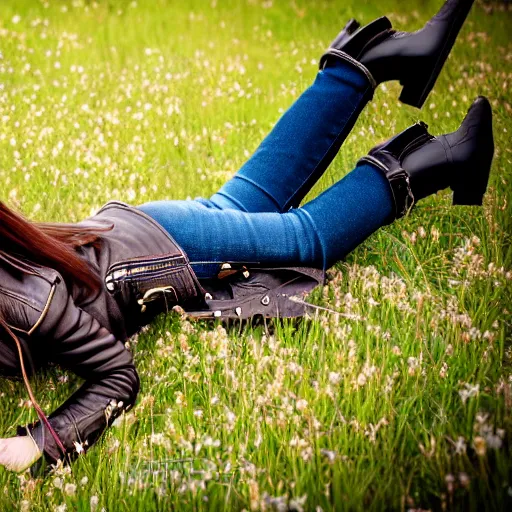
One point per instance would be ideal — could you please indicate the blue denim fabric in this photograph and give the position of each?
(301, 145)
(255, 216)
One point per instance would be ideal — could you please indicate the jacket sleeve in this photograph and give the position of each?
(76, 341)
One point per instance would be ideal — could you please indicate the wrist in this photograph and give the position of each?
(38, 450)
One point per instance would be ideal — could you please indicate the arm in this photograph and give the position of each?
(76, 341)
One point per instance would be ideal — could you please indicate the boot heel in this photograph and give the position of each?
(466, 196)
(471, 190)
(415, 92)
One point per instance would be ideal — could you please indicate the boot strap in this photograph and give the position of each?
(400, 186)
(341, 55)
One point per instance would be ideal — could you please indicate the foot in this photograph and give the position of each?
(413, 58)
(418, 164)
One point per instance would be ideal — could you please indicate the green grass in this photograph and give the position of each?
(358, 411)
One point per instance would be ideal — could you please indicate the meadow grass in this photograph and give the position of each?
(403, 400)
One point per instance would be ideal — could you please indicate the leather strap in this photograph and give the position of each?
(259, 291)
(339, 54)
(399, 183)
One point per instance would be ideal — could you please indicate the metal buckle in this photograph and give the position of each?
(153, 291)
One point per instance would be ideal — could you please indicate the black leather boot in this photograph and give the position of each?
(418, 164)
(413, 58)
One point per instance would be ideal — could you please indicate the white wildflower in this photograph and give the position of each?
(329, 454)
(468, 391)
(70, 489)
(334, 377)
(94, 503)
(301, 404)
(361, 379)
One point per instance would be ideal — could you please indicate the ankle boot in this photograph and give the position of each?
(413, 58)
(418, 164)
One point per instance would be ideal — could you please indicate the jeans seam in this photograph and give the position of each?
(236, 202)
(270, 196)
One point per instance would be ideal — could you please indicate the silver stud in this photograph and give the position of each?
(238, 311)
(225, 266)
(217, 313)
(266, 300)
(246, 274)
(208, 296)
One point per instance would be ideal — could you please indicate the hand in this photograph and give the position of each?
(18, 453)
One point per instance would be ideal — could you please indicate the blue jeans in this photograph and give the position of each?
(255, 216)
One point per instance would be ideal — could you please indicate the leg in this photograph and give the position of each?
(317, 235)
(301, 145)
(308, 136)
(409, 167)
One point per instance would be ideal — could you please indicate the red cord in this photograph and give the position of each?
(36, 406)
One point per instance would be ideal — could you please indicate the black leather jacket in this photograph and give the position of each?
(86, 333)
(144, 272)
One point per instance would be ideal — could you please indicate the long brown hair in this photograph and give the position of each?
(50, 245)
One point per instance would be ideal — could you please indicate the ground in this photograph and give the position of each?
(401, 401)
